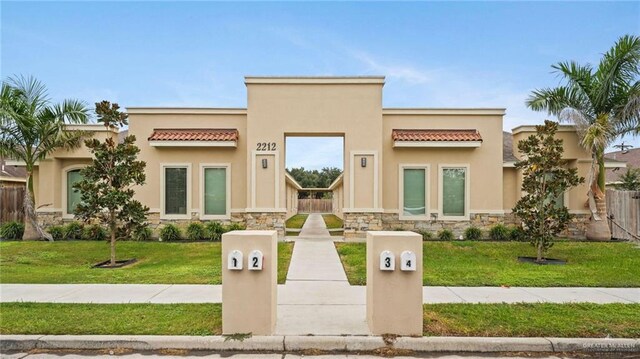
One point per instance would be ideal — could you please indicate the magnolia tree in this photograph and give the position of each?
(106, 187)
(545, 180)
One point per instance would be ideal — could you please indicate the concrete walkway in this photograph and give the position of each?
(314, 227)
(317, 298)
(303, 292)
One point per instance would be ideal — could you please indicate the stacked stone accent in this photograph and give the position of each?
(357, 224)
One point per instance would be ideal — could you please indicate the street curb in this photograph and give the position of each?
(321, 343)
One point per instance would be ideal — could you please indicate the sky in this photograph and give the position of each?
(195, 54)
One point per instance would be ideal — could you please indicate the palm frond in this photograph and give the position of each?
(620, 65)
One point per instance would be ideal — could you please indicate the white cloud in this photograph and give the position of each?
(314, 153)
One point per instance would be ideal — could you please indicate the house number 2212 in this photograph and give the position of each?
(266, 146)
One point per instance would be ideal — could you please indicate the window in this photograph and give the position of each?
(215, 191)
(414, 192)
(175, 190)
(73, 195)
(453, 191)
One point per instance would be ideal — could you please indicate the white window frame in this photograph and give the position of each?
(65, 172)
(227, 167)
(467, 196)
(427, 185)
(164, 166)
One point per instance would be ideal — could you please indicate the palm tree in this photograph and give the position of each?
(603, 103)
(31, 127)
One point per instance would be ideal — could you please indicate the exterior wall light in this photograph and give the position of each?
(264, 163)
(363, 161)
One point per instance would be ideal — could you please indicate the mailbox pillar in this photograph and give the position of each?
(249, 290)
(394, 288)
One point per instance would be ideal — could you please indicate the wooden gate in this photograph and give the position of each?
(624, 210)
(11, 204)
(313, 205)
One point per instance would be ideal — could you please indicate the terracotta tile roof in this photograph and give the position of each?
(436, 135)
(194, 134)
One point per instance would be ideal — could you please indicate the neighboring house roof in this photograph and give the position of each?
(507, 147)
(194, 134)
(436, 135)
(11, 171)
(630, 157)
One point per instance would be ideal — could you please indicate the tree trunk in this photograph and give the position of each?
(540, 251)
(113, 239)
(32, 230)
(598, 230)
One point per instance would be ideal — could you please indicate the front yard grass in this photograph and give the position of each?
(332, 221)
(296, 221)
(158, 263)
(112, 319)
(468, 263)
(577, 320)
(490, 320)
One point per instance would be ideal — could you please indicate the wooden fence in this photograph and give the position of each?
(312, 205)
(11, 204)
(624, 210)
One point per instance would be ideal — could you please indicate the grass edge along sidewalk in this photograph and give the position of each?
(69, 262)
(475, 264)
(483, 320)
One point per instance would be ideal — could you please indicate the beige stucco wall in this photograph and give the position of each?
(349, 107)
(142, 125)
(485, 162)
(510, 189)
(338, 200)
(292, 199)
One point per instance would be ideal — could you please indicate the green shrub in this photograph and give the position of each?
(426, 235)
(56, 232)
(170, 232)
(517, 234)
(195, 231)
(499, 232)
(445, 235)
(233, 227)
(73, 231)
(94, 232)
(142, 233)
(213, 231)
(473, 233)
(12, 230)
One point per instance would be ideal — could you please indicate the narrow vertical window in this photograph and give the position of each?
(414, 203)
(73, 195)
(453, 192)
(215, 191)
(175, 190)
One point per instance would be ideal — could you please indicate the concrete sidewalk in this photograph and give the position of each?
(317, 298)
(314, 227)
(299, 291)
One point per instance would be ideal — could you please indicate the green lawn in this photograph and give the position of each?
(114, 319)
(466, 263)
(296, 221)
(70, 262)
(332, 221)
(518, 320)
(533, 320)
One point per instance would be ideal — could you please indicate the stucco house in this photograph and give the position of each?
(413, 168)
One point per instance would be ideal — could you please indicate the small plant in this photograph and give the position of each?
(142, 233)
(499, 232)
(445, 235)
(473, 233)
(195, 231)
(234, 227)
(426, 235)
(12, 230)
(213, 231)
(73, 231)
(56, 232)
(517, 234)
(94, 232)
(170, 232)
